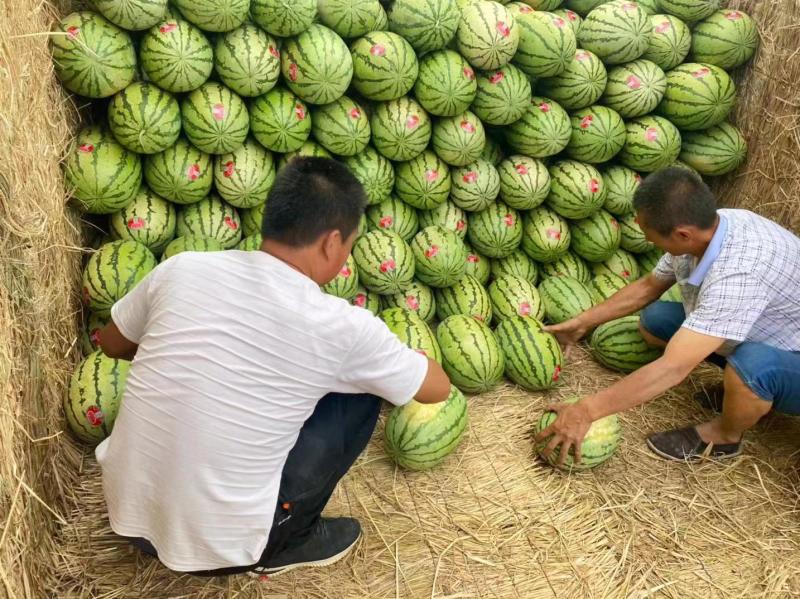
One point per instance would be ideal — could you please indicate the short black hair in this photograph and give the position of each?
(312, 196)
(675, 196)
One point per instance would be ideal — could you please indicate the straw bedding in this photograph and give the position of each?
(492, 521)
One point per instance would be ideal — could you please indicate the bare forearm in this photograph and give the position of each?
(628, 300)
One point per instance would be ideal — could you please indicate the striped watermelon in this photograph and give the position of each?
(251, 243)
(487, 34)
(280, 121)
(401, 129)
(477, 266)
(90, 332)
(474, 186)
(503, 95)
(423, 182)
(309, 148)
(544, 130)
(282, 18)
(148, 219)
(132, 14)
(698, 96)
(673, 294)
(524, 182)
(583, 7)
(467, 297)
(620, 183)
(621, 263)
(446, 84)
(374, 172)
(395, 215)
(493, 152)
(214, 15)
(211, 217)
(533, 357)
(440, 255)
(650, 6)
(144, 119)
(92, 57)
(367, 299)
(564, 298)
(341, 127)
(572, 18)
(413, 331)
(381, 20)
(633, 239)
(596, 237)
(247, 60)
(419, 436)
(316, 65)
(417, 297)
(385, 262)
(651, 143)
(190, 244)
(446, 215)
(215, 119)
(648, 260)
(670, 40)
(458, 140)
(112, 271)
(727, 39)
(580, 85)
(427, 24)
(384, 66)
(546, 41)
(543, 5)
(176, 56)
(715, 151)
(513, 296)
(604, 285)
(244, 177)
(181, 173)
(516, 264)
(102, 175)
(349, 18)
(471, 356)
(495, 232)
(689, 10)
(568, 265)
(545, 235)
(576, 189)
(345, 284)
(95, 392)
(598, 134)
(619, 345)
(617, 31)
(635, 89)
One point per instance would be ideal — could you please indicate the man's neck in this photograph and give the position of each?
(705, 240)
(293, 257)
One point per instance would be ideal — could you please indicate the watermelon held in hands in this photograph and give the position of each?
(617, 31)
(440, 256)
(112, 271)
(149, 219)
(487, 34)
(374, 172)
(176, 56)
(546, 41)
(544, 130)
(533, 358)
(385, 262)
(384, 66)
(471, 356)
(715, 151)
(215, 119)
(513, 296)
(247, 60)
(133, 15)
(409, 327)
(190, 244)
(280, 121)
(428, 25)
(211, 217)
(341, 127)
(727, 39)
(564, 298)
(282, 18)
(244, 177)
(417, 297)
(467, 297)
(619, 345)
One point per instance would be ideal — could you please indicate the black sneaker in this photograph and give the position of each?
(685, 444)
(329, 541)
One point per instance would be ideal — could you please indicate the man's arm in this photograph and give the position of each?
(115, 345)
(436, 386)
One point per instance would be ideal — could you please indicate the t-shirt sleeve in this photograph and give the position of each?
(665, 268)
(131, 312)
(380, 364)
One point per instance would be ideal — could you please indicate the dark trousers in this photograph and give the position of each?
(330, 441)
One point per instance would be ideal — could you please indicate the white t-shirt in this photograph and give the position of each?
(235, 350)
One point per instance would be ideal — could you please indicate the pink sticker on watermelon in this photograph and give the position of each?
(460, 224)
(412, 121)
(553, 233)
(168, 27)
(586, 121)
(136, 222)
(503, 29)
(651, 134)
(95, 416)
(218, 111)
(509, 220)
(230, 223)
(432, 251)
(496, 78)
(633, 82)
(663, 27)
(360, 300)
(73, 32)
(345, 272)
(274, 51)
(594, 186)
(355, 113)
(524, 309)
(377, 50)
(470, 177)
(467, 126)
(193, 172)
(469, 73)
(299, 112)
(388, 265)
(230, 168)
(86, 148)
(557, 373)
(472, 258)
(521, 169)
(431, 175)
(293, 71)
(412, 302)
(544, 107)
(386, 222)
(559, 22)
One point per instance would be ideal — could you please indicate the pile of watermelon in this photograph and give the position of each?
(499, 144)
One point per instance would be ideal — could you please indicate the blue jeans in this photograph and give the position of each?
(772, 374)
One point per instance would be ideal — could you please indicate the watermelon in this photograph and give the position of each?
(471, 356)
(599, 444)
(251, 219)
(533, 357)
(247, 60)
(564, 298)
(316, 65)
(385, 262)
(545, 235)
(605, 285)
(513, 296)
(413, 331)
(95, 392)
(698, 96)
(576, 189)
(420, 436)
(648, 260)
(446, 84)
(215, 119)
(487, 34)
(144, 119)
(381, 20)
(477, 266)
(517, 264)
(349, 18)
(689, 10)
(341, 127)
(176, 56)
(345, 284)
(384, 66)
(495, 232)
(112, 271)
(251, 243)
(635, 89)
(244, 177)
(374, 172)
(493, 152)
(190, 244)
(428, 25)
(366, 299)
(633, 239)
(132, 14)
(401, 129)
(726, 38)
(619, 345)
(90, 332)
(458, 140)
(214, 15)
(395, 215)
(621, 263)
(651, 143)
(503, 95)
(598, 134)
(446, 215)
(546, 41)
(282, 18)
(417, 297)
(181, 173)
(715, 151)
(568, 265)
(572, 18)
(543, 5)
(211, 217)
(583, 7)
(617, 31)
(620, 183)
(440, 255)
(280, 121)
(673, 294)
(544, 130)
(423, 182)
(596, 237)
(474, 186)
(524, 182)
(92, 57)
(467, 297)
(148, 219)
(670, 41)
(580, 85)
(101, 174)
(309, 148)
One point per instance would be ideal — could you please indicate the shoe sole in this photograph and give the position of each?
(272, 572)
(666, 456)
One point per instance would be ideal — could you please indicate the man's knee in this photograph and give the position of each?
(767, 373)
(649, 338)
(660, 321)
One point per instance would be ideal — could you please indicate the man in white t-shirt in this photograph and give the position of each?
(251, 391)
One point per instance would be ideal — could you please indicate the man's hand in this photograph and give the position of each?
(568, 430)
(568, 333)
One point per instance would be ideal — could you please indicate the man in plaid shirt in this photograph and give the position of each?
(739, 276)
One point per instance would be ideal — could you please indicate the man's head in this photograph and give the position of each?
(314, 209)
(676, 210)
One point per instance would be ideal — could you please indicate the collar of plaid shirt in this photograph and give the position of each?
(712, 252)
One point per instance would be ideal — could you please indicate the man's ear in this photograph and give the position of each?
(683, 233)
(331, 242)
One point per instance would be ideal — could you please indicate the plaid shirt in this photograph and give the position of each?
(747, 285)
